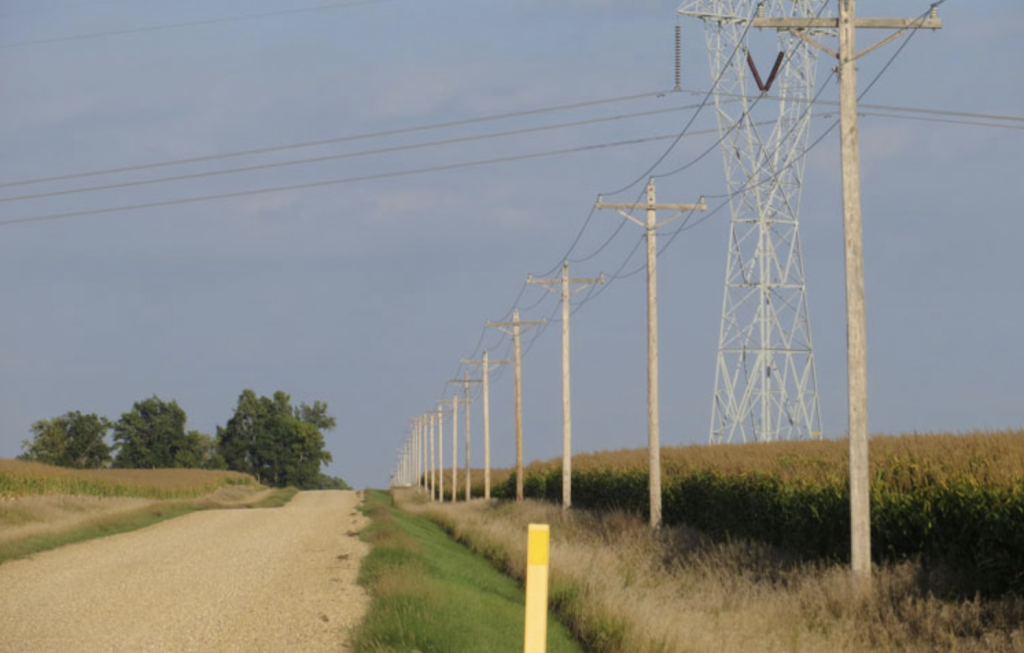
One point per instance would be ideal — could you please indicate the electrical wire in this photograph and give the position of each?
(879, 107)
(338, 139)
(194, 23)
(729, 196)
(707, 96)
(345, 155)
(50, 10)
(333, 182)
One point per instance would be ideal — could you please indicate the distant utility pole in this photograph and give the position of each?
(428, 433)
(485, 367)
(440, 448)
(433, 460)
(465, 381)
(651, 228)
(455, 446)
(561, 287)
(421, 436)
(406, 460)
(514, 327)
(421, 455)
(414, 449)
(856, 331)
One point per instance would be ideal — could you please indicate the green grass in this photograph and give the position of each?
(432, 595)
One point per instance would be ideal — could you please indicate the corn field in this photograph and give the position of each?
(954, 501)
(18, 478)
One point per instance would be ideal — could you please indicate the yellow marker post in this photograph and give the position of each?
(537, 589)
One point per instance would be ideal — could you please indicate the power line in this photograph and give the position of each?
(730, 195)
(194, 23)
(346, 155)
(948, 121)
(343, 180)
(878, 107)
(50, 10)
(981, 122)
(338, 139)
(693, 118)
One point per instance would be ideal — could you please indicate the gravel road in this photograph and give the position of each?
(277, 579)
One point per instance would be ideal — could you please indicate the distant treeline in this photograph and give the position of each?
(278, 444)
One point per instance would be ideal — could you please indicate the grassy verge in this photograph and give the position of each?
(623, 588)
(123, 522)
(431, 595)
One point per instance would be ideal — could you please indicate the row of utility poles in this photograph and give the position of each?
(415, 467)
(423, 470)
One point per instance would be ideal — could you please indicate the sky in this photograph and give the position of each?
(365, 287)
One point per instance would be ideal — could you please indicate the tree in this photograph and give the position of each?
(70, 440)
(152, 434)
(316, 415)
(198, 451)
(278, 444)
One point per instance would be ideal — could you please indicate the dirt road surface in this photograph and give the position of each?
(277, 579)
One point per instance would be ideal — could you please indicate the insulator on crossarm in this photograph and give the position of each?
(679, 64)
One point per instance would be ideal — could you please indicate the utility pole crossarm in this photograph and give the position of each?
(650, 206)
(550, 282)
(785, 24)
(517, 323)
(699, 206)
(797, 27)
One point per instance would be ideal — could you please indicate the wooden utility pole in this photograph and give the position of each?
(423, 452)
(514, 327)
(856, 331)
(440, 447)
(455, 446)
(465, 381)
(562, 288)
(485, 367)
(433, 461)
(651, 225)
(414, 450)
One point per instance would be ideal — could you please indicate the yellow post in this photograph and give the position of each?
(537, 589)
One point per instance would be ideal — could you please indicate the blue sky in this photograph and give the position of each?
(367, 294)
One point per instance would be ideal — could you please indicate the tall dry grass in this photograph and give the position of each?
(625, 588)
(19, 478)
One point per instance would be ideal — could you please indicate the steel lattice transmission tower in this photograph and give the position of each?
(765, 382)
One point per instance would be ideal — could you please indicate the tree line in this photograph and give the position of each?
(279, 444)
